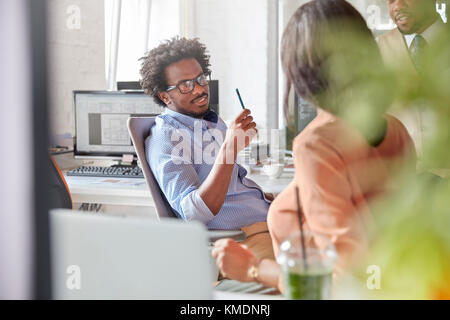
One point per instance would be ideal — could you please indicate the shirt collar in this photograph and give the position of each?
(428, 34)
(409, 38)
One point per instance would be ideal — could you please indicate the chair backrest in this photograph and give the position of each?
(140, 129)
(60, 194)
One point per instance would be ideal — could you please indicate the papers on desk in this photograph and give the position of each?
(106, 182)
(120, 182)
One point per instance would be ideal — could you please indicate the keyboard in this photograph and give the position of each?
(110, 172)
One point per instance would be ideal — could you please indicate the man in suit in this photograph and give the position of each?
(404, 48)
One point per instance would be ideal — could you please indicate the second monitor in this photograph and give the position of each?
(101, 122)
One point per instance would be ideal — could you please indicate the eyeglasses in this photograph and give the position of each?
(187, 86)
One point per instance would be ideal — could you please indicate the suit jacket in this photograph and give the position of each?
(396, 55)
(395, 51)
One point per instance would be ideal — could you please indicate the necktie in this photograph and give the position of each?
(417, 50)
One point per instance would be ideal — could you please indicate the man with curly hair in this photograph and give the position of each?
(204, 183)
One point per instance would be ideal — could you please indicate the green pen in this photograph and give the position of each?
(240, 99)
(257, 137)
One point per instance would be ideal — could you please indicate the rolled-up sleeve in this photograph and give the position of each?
(177, 177)
(194, 208)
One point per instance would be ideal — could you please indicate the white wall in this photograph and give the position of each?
(76, 55)
(239, 36)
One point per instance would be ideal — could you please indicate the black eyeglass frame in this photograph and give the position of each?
(196, 79)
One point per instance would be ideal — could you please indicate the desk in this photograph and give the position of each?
(110, 191)
(276, 185)
(122, 196)
(133, 195)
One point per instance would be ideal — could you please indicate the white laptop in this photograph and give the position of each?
(104, 257)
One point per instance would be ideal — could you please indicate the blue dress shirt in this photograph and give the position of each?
(181, 152)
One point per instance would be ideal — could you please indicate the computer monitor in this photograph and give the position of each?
(129, 85)
(306, 113)
(214, 95)
(101, 122)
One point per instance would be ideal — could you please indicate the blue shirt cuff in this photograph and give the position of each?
(194, 208)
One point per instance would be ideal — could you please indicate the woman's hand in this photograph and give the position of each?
(234, 260)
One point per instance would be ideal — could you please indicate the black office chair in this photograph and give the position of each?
(59, 191)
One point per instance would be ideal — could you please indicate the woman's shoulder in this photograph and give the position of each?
(324, 129)
(397, 138)
(395, 123)
(396, 129)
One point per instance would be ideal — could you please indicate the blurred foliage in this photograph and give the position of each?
(411, 241)
(411, 237)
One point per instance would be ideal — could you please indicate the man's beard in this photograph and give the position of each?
(411, 30)
(197, 115)
(200, 114)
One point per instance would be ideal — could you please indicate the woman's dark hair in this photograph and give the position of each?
(326, 43)
(154, 64)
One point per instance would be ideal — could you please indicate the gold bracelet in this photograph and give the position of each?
(254, 271)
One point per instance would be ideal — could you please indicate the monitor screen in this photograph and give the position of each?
(306, 113)
(101, 121)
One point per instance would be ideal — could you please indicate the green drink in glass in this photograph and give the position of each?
(308, 279)
(308, 286)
